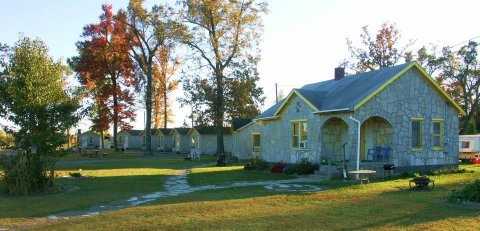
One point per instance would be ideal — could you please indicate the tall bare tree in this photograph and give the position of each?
(379, 52)
(221, 33)
(148, 32)
(163, 85)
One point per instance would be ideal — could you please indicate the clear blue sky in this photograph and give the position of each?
(304, 40)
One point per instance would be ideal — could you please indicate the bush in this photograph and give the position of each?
(256, 164)
(444, 171)
(261, 165)
(75, 174)
(278, 167)
(305, 167)
(25, 175)
(471, 192)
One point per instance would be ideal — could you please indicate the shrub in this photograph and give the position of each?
(75, 174)
(471, 192)
(305, 167)
(278, 167)
(25, 175)
(444, 171)
(256, 164)
(261, 165)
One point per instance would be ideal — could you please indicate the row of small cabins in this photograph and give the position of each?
(398, 113)
(181, 140)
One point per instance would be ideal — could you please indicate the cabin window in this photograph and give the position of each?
(437, 134)
(256, 142)
(465, 144)
(194, 142)
(299, 134)
(417, 133)
(90, 140)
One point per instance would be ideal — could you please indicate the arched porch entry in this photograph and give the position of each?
(334, 135)
(374, 132)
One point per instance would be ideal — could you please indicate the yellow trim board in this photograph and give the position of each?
(290, 95)
(300, 120)
(422, 74)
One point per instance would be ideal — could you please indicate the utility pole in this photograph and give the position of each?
(276, 93)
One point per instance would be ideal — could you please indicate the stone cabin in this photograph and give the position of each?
(399, 111)
(180, 140)
(153, 139)
(130, 139)
(164, 139)
(89, 139)
(204, 139)
(246, 139)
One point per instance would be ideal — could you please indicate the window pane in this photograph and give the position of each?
(416, 133)
(304, 132)
(465, 144)
(295, 141)
(294, 129)
(256, 140)
(436, 128)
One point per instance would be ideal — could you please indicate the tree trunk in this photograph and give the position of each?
(115, 114)
(148, 106)
(165, 106)
(219, 120)
(102, 141)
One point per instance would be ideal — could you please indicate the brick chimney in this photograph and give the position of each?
(339, 73)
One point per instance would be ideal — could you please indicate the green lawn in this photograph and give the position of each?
(109, 181)
(218, 175)
(344, 206)
(110, 155)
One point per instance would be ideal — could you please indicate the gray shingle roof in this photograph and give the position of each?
(344, 93)
(269, 112)
(182, 131)
(135, 132)
(165, 131)
(211, 130)
(348, 91)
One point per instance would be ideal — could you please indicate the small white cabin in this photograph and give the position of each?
(469, 146)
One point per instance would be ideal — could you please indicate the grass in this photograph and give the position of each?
(345, 206)
(109, 181)
(218, 175)
(110, 155)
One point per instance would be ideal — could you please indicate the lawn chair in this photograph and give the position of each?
(194, 154)
(374, 152)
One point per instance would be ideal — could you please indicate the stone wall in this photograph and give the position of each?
(276, 137)
(242, 141)
(386, 119)
(410, 96)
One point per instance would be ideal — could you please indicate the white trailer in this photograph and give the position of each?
(469, 146)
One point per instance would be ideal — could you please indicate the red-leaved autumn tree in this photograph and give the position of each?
(107, 72)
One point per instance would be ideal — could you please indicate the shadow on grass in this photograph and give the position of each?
(87, 192)
(151, 162)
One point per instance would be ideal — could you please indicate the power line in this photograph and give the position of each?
(464, 42)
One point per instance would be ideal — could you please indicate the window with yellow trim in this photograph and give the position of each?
(194, 143)
(417, 133)
(256, 142)
(299, 134)
(437, 134)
